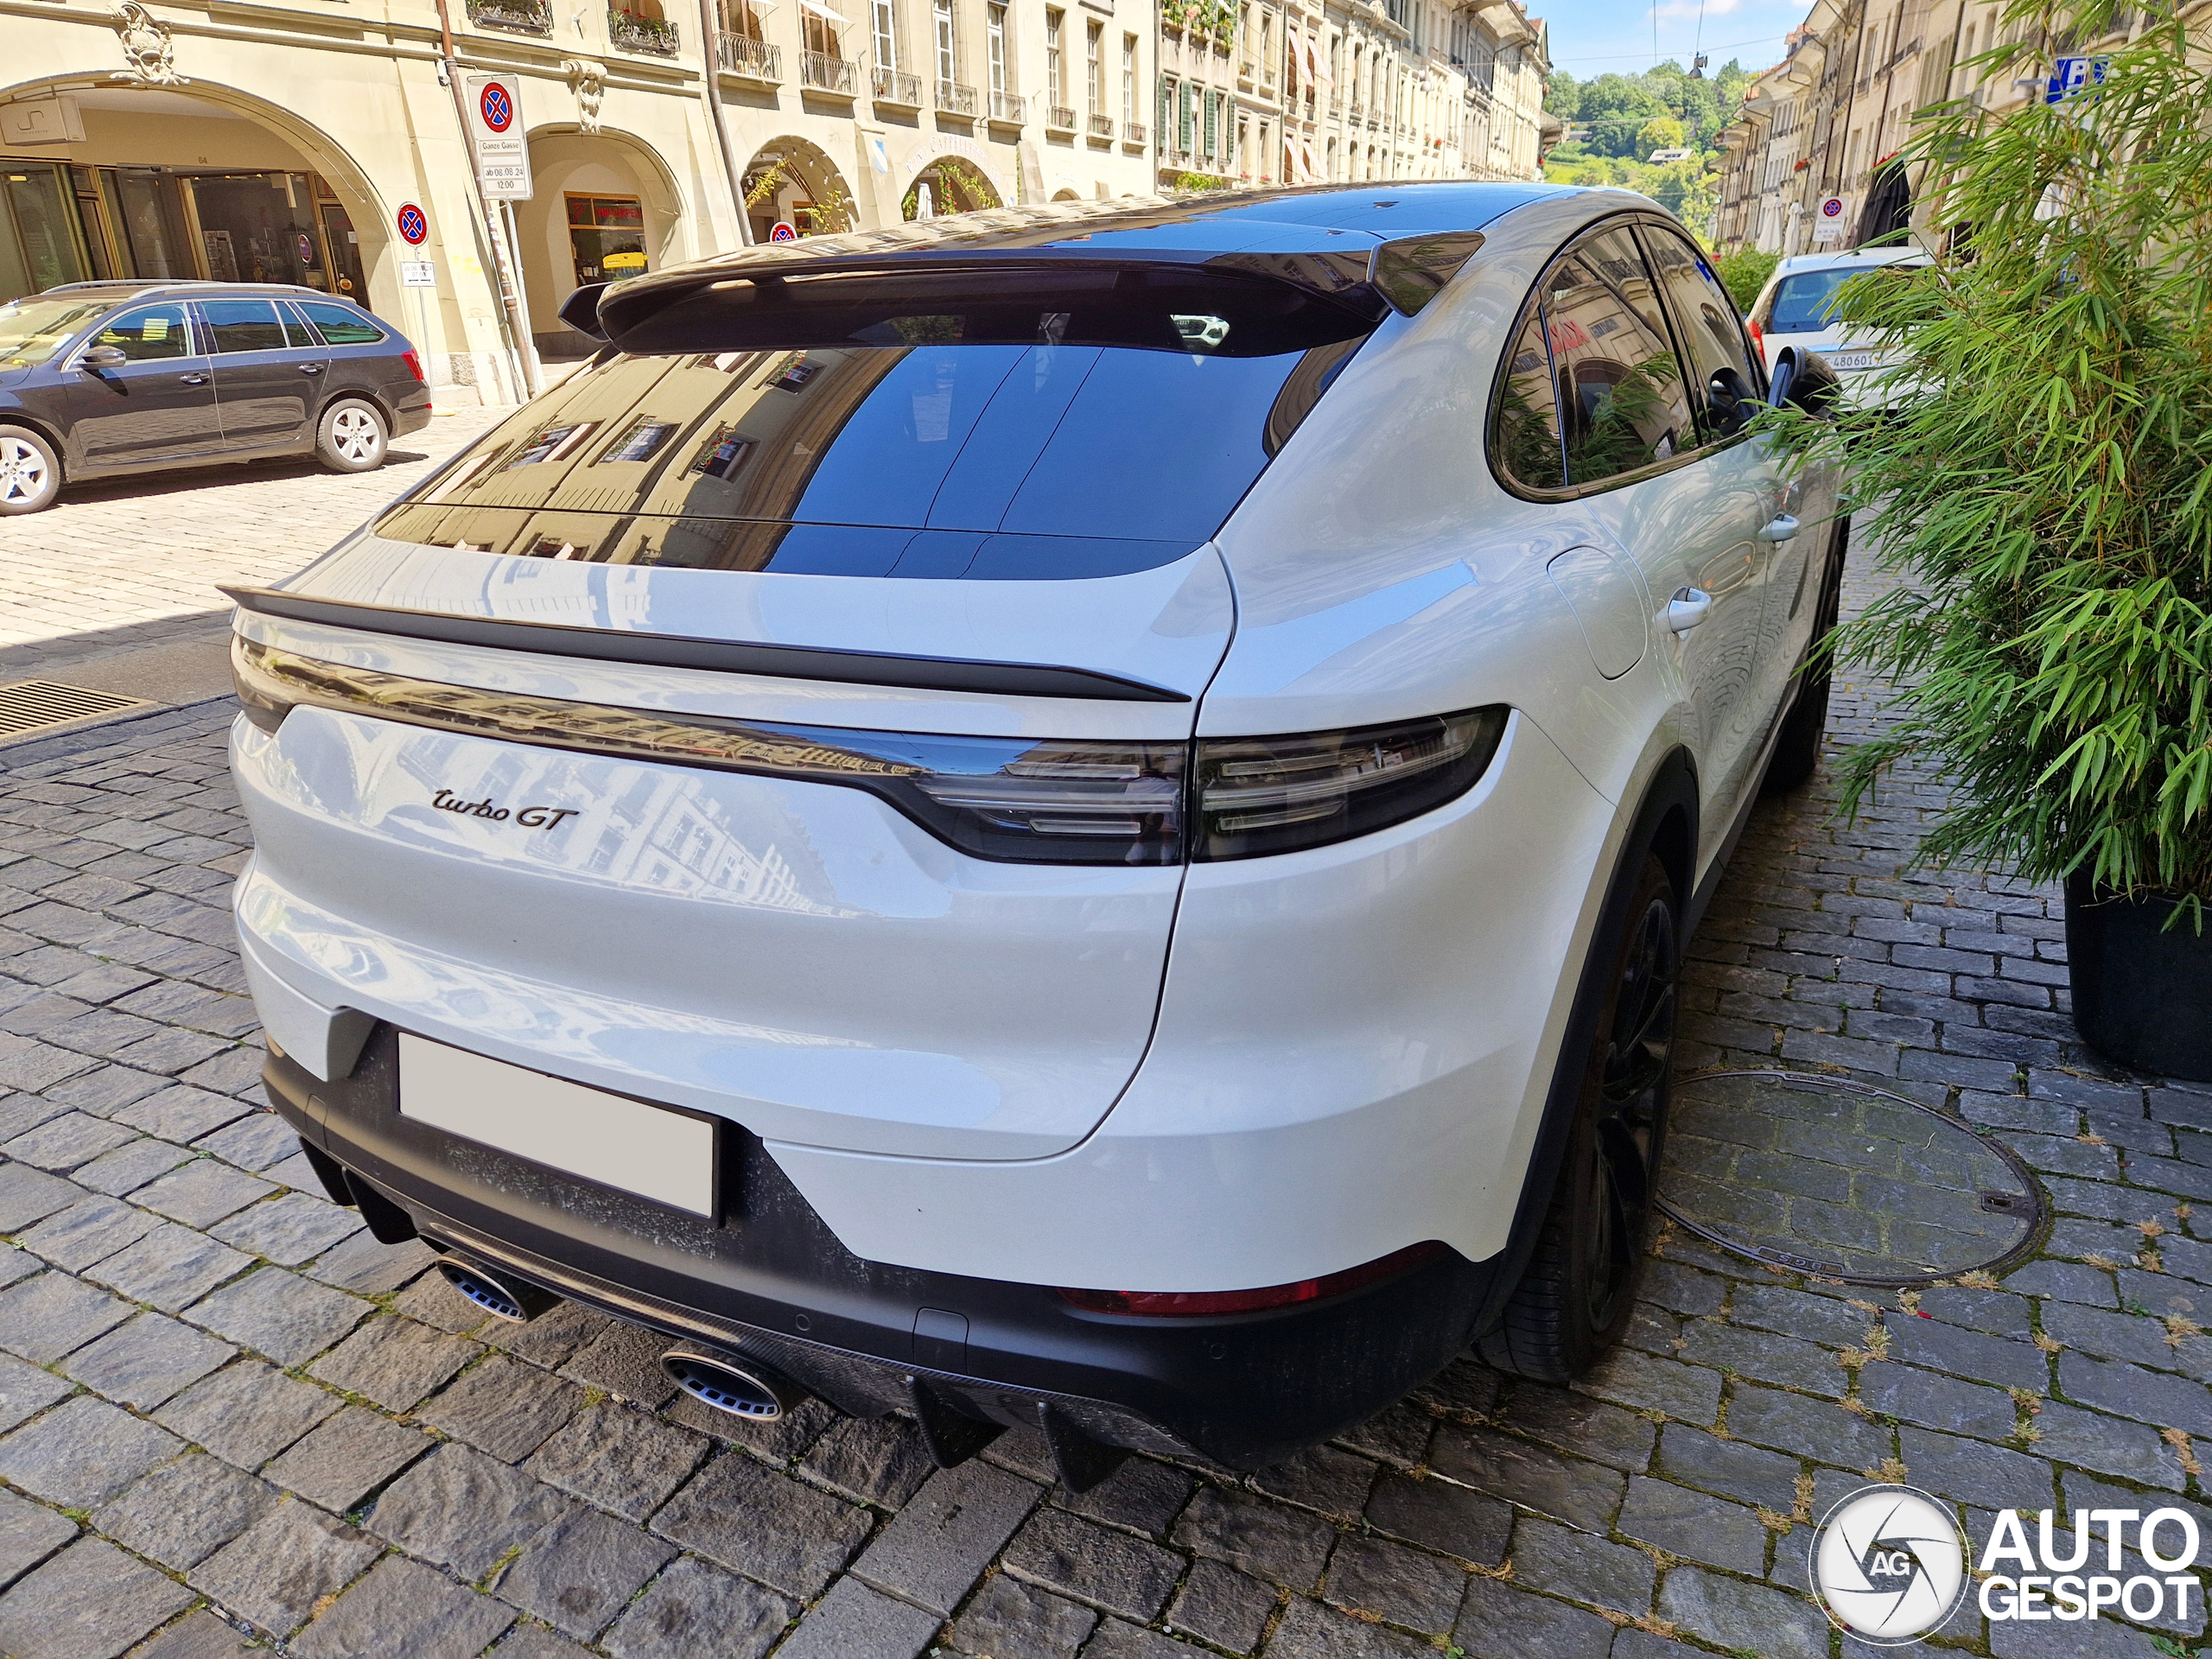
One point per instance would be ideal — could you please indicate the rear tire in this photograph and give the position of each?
(30, 472)
(351, 436)
(1576, 1296)
(1797, 750)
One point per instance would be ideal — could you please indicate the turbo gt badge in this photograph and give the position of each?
(530, 817)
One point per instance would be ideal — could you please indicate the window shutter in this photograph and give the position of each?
(1183, 119)
(1213, 121)
(1160, 124)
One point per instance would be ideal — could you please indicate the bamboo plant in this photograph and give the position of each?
(2046, 491)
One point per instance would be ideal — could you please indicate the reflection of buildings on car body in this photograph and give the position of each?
(260, 145)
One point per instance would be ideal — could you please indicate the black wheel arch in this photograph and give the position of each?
(1666, 823)
(31, 422)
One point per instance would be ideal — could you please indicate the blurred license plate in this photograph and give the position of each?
(611, 1138)
(1845, 360)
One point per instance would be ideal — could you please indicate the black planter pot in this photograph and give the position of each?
(2142, 991)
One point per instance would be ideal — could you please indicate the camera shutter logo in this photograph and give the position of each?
(1890, 1564)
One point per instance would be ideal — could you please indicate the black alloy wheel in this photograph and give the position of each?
(1574, 1300)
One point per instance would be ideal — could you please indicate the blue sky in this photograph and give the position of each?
(1591, 37)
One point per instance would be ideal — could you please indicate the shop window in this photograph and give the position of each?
(606, 234)
(343, 243)
(259, 227)
(39, 245)
(150, 216)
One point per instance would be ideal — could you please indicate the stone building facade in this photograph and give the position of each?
(1299, 91)
(322, 141)
(1826, 124)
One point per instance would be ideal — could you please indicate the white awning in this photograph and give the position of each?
(823, 13)
(1318, 61)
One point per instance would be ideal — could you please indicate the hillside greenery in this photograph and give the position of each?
(1616, 123)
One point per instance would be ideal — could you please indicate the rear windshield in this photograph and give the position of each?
(1802, 303)
(984, 461)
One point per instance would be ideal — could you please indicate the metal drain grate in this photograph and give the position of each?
(36, 704)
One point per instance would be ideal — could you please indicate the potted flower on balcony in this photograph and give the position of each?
(2044, 487)
(633, 31)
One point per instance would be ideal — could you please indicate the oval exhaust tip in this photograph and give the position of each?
(714, 1381)
(502, 1298)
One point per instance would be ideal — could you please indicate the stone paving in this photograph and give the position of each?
(134, 562)
(228, 1418)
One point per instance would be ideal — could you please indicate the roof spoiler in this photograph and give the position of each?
(793, 295)
(580, 310)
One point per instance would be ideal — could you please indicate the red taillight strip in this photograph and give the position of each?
(1197, 1304)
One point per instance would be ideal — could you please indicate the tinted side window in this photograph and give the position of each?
(342, 325)
(296, 332)
(244, 324)
(1713, 337)
(1620, 389)
(151, 331)
(1524, 432)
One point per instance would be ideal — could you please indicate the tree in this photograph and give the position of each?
(1661, 132)
(2048, 487)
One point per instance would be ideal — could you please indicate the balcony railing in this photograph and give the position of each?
(1060, 119)
(741, 54)
(1009, 109)
(896, 86)
(1133, 132)
(515, 16)
(824, 73)
(1102, 126)
(954, 98)
(634, 34)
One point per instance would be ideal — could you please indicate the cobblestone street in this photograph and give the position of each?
(229, 1418)
(134, 562)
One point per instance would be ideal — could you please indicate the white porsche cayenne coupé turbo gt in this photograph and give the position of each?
(1080, 816)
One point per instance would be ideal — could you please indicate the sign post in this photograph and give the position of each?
(414, 227)
(501, 152)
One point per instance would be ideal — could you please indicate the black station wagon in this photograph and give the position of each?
(98, 380)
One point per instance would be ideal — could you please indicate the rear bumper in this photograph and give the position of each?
(769, 1279)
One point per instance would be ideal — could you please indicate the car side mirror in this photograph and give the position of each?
(104, 357)
(1802, 380)
(1731, 399)
(580, 310)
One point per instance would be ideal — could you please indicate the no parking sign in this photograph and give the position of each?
(414, 225)
(495, 135)
(783, 232)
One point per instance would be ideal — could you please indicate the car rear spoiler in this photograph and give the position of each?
(820, 290)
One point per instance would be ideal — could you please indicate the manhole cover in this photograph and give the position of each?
(1829, 1177)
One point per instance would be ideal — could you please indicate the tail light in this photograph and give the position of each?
(1256, 795)
(1203, 1304)
(1015, 799)
(414, 364)
(1758, 333)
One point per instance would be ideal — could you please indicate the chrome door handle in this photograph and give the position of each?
(1688, 607)
(310, 368)
(194, 379)
(1782, 528)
